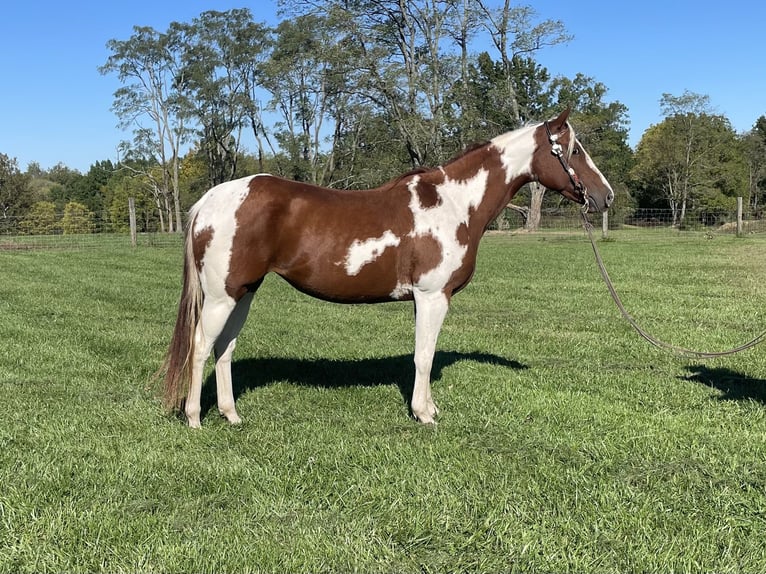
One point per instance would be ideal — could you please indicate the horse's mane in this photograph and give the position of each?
(572, 139)
(427, 169)
(468, 149)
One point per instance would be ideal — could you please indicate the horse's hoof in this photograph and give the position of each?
(425, 419)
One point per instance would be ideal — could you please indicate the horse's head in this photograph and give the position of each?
(561, 163)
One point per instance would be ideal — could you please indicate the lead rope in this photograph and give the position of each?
(653, 340)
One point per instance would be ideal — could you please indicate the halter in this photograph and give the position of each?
(558, 151)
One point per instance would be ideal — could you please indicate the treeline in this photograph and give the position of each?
(350, 94)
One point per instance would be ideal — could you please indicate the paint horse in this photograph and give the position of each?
(412, 239)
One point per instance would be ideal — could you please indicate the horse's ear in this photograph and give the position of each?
(559, 124)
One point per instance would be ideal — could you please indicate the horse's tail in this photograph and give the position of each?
(178, 361)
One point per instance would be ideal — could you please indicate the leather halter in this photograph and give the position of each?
(558, 151)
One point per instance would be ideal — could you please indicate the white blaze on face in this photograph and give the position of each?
(216, 210)
(363, 252)
(592, 166)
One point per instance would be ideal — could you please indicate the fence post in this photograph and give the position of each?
(739, 216)
(132, 212)
(604, 225)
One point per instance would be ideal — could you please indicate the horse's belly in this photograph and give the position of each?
(374, 283)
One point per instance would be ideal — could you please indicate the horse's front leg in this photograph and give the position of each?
(430, 309)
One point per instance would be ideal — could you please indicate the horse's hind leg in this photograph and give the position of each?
(224, 348)
(215, 314)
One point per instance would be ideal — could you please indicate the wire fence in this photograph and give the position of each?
(96, 231)
(639, 222)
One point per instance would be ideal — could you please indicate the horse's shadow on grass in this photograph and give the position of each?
(733, 386)
(248, 374)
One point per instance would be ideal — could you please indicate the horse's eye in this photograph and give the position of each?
(576, 151)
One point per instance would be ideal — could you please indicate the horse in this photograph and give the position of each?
(414, 238)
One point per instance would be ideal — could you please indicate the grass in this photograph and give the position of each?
(565, 442)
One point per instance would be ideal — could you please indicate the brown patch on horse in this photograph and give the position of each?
(200, 241)
(427, 255)
(428, 195)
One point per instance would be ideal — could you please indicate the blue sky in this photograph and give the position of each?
(55, 106)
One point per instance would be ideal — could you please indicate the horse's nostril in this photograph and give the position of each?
(609, 198)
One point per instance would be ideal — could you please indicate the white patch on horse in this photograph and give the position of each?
(516, 150)
(361, 253)
(401, 290)
(442, 222)
(216, 210)
(592, 165)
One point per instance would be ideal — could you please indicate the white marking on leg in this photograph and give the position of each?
(215, 314)
(363, 252)
(224, 348)
(430, 310)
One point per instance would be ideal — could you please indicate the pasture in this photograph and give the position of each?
(565, 442)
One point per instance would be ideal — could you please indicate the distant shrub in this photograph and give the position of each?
(77, 219)
(40, 220)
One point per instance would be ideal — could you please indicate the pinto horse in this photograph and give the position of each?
(412, 239)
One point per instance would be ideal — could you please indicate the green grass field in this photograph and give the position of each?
(565, 442)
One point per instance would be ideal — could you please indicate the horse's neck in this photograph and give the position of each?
(502, 168)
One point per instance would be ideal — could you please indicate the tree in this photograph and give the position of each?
(148, 64)
(88, 189)
(691, 157)
(64, 181)
(754, 143)
(15, 192)
(394, 58)
(77, 219)
(516, 38)
(296, 75)
(123, 185)
(40, 220)
(221, 54)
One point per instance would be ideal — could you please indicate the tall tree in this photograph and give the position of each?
(15, 193)
(408, 54)
(517, 36)
(400, 63)
(221, 54)
(149, 66)
(755, 153)
(299, 77)
(691, 157)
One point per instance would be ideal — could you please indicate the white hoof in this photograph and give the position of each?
(233, 418)
(426, 415)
